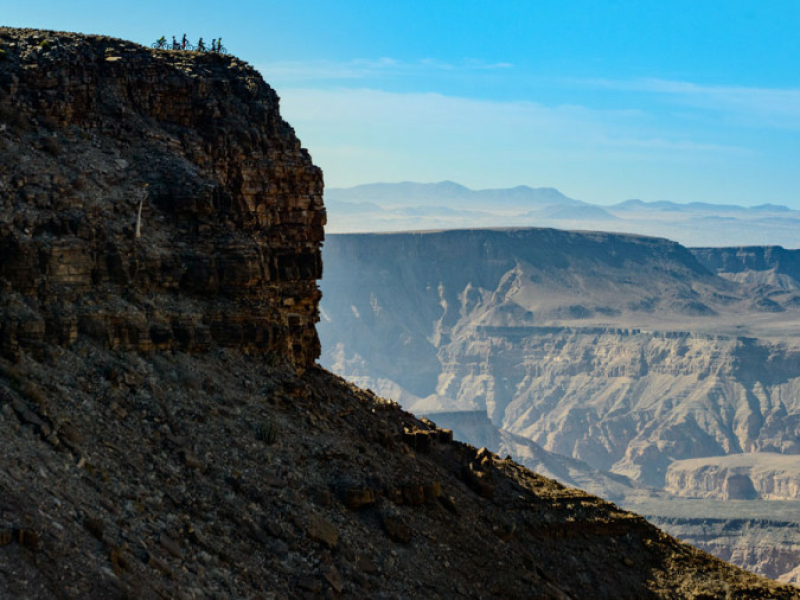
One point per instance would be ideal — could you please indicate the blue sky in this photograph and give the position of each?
(606, 101)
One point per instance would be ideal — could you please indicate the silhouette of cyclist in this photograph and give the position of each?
(183, 42)
(201, 47)
(175, 44)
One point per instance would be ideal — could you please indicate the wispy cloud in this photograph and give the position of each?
(361, 135)
(746, 106)
(518, 123)
(321, 70)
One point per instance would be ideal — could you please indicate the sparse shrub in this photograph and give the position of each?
(45, 44)
(267, 431)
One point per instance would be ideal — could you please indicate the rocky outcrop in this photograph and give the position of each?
(747, 476)
(151, 200)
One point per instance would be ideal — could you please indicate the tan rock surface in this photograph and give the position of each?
(765, 475)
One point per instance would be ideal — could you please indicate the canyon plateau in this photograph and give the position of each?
(165, 429)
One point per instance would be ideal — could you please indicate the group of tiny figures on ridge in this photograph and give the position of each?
(216, 45)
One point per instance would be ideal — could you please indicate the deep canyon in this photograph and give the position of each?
(656, 368)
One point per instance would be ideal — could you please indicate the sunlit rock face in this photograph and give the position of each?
(747, 476)
(227, 247)
(622, 351)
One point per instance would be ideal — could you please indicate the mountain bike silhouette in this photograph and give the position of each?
(160, 44)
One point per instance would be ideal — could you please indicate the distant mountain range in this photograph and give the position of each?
(448, 192)
(408, 206)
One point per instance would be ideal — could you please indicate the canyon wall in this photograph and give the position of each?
(769, 266)
(621, 351)
(644, 363)
(95, 131)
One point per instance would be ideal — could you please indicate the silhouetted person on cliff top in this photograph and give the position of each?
(183, 42)
(201, 47)
(175, 44)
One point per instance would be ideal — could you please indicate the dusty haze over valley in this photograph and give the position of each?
(447, 205)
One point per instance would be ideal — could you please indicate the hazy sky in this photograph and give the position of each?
(604, 100)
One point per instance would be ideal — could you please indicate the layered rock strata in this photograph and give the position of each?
(630, 354)
(151, 200)
(747, 476)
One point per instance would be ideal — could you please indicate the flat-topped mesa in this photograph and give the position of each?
(231, 206)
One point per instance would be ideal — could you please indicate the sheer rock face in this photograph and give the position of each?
(746, 476)
(231, 206)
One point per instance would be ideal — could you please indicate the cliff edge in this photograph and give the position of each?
(226, 251)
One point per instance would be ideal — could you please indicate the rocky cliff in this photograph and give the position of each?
(96, 132)
(770, 266)
(745, 476)
(159, 439)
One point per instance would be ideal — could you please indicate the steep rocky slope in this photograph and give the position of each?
(218, 475)
(165, 433)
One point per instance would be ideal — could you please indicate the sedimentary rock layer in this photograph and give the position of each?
(95, 132)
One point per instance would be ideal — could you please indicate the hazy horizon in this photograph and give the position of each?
(414, 206)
